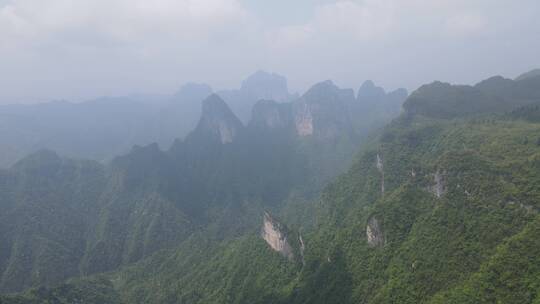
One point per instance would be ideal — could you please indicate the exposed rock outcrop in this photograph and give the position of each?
(439, 184)
(275, 235)
(374, 233)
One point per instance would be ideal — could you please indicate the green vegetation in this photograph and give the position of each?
(457, 218)
(91, 291)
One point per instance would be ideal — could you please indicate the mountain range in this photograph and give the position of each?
(331, 197)
(107, 127)
(148, 199)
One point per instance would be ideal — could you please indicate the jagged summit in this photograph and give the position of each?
(327, 92)
(214, 105)
(369, 92)
(218, 120)
(322, 110)
(266, 85)
(323, 89)
(270, 114)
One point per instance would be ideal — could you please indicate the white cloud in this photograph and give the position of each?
(83, 48)
(121, 20)
(113, 38)
(376, 20)
(410, 41)
(466, 24)
(362, 20)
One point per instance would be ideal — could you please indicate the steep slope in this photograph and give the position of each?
(48, 204)
(215, 184)
(139, 213)
(429, 244)
(459, 206)
(509, 276)
(179, 116)
(217, 122)
(441, 207)
(454, 192)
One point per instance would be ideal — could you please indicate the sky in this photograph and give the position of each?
(82, 49)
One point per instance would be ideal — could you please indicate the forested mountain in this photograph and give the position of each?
(439, 206)
(84, 217)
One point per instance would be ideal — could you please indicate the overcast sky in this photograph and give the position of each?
(78, 49)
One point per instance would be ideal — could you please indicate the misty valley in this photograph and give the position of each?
(332, 196)
(269, 152)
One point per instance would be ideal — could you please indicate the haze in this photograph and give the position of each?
(76, 50)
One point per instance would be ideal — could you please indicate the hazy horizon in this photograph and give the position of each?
(58, 50)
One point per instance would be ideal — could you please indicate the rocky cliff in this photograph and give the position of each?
(276, 236)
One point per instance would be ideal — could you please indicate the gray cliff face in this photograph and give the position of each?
(276, 237)
(218, 120)
(374, 233)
